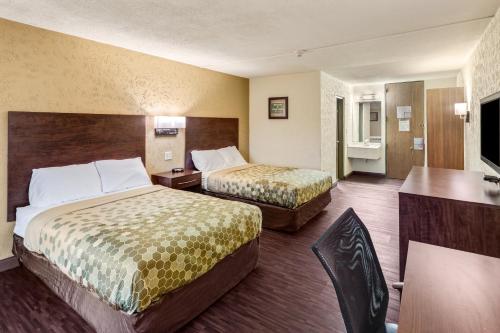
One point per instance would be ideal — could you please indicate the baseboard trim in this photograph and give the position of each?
(364, 173)
(8, 263)
(348, 175)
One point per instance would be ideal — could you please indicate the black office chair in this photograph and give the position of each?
(347, 254)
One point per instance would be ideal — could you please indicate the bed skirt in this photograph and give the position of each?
(280, 218)
(171, 312)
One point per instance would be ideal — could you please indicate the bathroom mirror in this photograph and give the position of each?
(367, 122)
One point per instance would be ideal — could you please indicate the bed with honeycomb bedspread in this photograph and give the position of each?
(149, 259)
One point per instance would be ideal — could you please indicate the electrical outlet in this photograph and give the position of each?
(168, 155)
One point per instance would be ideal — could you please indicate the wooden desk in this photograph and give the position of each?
(451, 208)
(447, 290)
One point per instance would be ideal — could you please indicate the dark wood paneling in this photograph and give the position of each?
(448, 208)
(449, 291)
(289, 291)
(39, 139)
(445, 131)
(209, 133)
(400, 153)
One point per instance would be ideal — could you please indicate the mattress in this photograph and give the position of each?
(133, 247)
(281, 186)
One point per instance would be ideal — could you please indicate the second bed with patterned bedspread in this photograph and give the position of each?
(281, 186)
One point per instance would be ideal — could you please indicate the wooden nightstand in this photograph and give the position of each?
(189, 180)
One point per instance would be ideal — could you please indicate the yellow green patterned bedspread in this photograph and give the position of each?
(281, 186)
(129, 249)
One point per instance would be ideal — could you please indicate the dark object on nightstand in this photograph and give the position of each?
(189, 180)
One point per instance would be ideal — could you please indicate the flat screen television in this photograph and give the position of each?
(490, 131)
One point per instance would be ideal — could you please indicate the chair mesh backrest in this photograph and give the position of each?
(347, 254)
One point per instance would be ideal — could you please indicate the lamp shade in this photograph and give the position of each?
(460, 109)
(368, 97)
(170, 122)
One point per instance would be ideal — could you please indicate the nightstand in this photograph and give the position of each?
(189, 180)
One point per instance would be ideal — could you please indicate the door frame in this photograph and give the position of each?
(340, 141)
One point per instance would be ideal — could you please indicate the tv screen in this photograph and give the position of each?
(490, 131)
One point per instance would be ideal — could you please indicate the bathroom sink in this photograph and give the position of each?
(367, 151)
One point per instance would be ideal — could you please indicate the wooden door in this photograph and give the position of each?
(401, 156)
(340, 138)
(445, 131)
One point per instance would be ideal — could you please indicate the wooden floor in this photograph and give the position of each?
(288, 292)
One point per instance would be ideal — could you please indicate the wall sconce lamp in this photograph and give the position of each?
(368, 97)
(168, 126)
(461, 110)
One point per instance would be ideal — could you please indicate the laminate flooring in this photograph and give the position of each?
(288, 292)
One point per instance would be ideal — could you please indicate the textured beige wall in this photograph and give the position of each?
(308, 137)
(330, 89)
(294, 141)
(481, 78)
(42, 70)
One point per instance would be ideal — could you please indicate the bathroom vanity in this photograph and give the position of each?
(369, 150)
(367, 143)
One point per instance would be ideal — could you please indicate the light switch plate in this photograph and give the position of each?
(168, 155)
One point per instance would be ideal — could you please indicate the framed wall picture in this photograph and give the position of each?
(278, 107)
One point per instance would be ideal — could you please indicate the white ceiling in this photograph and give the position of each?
(354, 40)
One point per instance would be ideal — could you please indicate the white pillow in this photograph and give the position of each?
(208, 160)
(118, 175)
(232, 156)
(51, 186)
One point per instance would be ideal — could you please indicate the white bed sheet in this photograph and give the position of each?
(23, 217)
(204, 178)
(25, 214)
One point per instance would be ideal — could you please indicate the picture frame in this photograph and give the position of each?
(373, 116)
(278, 108)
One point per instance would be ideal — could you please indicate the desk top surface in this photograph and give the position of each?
(451, 184)
(448, 290)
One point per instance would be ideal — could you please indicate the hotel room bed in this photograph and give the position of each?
(288, 197)
(136, 256)
(143, 259)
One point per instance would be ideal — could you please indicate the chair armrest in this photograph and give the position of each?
(398, 285)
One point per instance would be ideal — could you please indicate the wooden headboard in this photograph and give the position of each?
(38, 140)
(209, 133)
